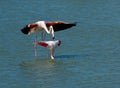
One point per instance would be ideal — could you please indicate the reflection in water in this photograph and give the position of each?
(46, 72)
(45, 67)
(42, 71)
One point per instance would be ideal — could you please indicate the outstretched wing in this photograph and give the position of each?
(25, 30)
(42, 44)
(58, 26)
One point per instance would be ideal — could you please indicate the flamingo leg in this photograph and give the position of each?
(52, 32)
(43, 36)
(52, 54)
(35, 45)
(43, 25)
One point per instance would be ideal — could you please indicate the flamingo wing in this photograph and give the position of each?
(25, 30)
(59, 25)
(42, 44)
(63, 26)
(28, 30)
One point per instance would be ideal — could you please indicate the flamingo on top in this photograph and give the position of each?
(49, 27)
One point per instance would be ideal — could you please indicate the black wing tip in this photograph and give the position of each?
(25, 30)
(74, 24)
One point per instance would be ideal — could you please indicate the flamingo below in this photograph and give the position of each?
(51, 45)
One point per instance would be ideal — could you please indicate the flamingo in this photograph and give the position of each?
(51, 45)
(49, 27)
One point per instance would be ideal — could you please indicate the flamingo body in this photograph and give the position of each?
(57, 26)
(51, 45)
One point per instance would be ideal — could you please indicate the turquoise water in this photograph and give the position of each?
(89, 56)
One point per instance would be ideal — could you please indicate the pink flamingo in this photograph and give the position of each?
(51, 45)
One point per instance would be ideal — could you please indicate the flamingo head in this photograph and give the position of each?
(59, 42)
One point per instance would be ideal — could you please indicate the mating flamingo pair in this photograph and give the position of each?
(49, 28)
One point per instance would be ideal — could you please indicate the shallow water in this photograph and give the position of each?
(89, 54)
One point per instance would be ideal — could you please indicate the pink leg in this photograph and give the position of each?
(35, 46)
(43, 36)
(52, 53)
